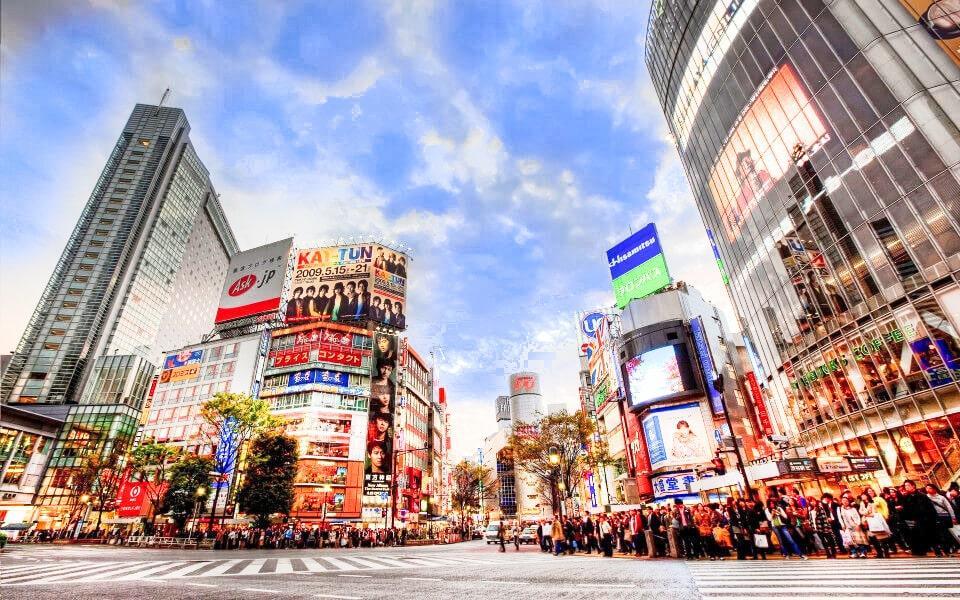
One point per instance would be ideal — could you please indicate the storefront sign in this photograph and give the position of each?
(858, 353)
(673, 484)
(796, 466)
(833, 464)
(864, 464)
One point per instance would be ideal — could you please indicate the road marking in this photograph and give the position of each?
(259, 590)
(503, 582)
(422, 579)
(253, 568)
(199, 584)
(342, 565)
(839, 590)
(340, 597)
(283, 566)
(610, 585)
(357, 576)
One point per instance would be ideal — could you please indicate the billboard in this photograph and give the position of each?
(657, 374)
(133, 498)
(348, 283)
(637, 266)
(941, 19)
(254, 282)
(676, 436)
(182, 366)
(378, 460)
(761, 146)
(524, 383)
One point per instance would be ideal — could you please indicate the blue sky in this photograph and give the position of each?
(509, 144)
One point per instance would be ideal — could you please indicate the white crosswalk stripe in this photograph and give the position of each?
(88, 571)
(849, 579)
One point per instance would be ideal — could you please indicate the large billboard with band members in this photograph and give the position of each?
(343, 284)
(378, 464)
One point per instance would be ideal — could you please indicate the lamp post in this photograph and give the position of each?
(326, 489)
(200, 492)
(84, 499)
(554, 455)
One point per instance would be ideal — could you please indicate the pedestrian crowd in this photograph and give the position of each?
(858, 525)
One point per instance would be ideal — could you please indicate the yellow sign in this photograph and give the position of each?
(184, 373)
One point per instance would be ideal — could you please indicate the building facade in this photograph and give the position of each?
(317, 378)
(821, 143)
(413, 437)
(190, 376)
(26, 440)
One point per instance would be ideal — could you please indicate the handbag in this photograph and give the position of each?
(876, 524)
(760, 541)
(845, 537)
(955, 532)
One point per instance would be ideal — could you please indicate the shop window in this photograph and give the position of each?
(895, 249)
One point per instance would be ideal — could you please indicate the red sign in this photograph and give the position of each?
(759, 403)
(133, 499)
(343, 356)
(285, 358)
(325, 336)
(524, 384)
(242, 285)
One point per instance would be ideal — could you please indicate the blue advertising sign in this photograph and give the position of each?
(588, 325)
(706, 363)
(322, 376)
(593, 490)
(669, 485)
(634, 251)
(655, 446)
(182, 358)
(226, 455)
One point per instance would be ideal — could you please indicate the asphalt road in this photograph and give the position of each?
(460, 571)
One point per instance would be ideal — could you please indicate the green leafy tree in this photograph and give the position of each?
(268, 482)
(151, 462)
(554, 451)
(189, 474)
(472, 485)
(243, 417)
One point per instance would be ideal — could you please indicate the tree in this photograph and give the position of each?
(230, 421)
(268, 483)
(554, 451)
(472, 484)
(151, 463)
(187, 475)
(97, 479)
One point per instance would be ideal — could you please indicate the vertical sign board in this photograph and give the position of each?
(637, 266)
(378, 461)
(716, 256)
(706, 364)
(254, 282)
(759, 403)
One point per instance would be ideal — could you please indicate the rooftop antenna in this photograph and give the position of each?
(163, 98)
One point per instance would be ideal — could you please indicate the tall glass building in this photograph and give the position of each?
(820, 139)
(141, 273)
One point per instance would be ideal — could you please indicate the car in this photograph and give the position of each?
(492, 534)
(477, 532)
(528, 535)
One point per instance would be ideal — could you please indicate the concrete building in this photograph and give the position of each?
(26, 441)
(414, 440)
(822, 144)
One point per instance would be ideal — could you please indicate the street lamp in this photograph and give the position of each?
(199, 493)
(326, 489)
(554, 456)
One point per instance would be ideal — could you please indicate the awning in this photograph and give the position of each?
(729, 479)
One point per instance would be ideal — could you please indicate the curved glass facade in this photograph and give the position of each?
(821, 143)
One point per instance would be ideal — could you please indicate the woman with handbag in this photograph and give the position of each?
(778, 518)
(877, 528)
(819, 516)
(853, 535)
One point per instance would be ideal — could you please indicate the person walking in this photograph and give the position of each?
(556, 532)
(516, 536)
(606, 537)
(821, 521)
(919, 518)
(500, 537)
(780, 521)
(853, 534)
(878, 532)
(946, 518)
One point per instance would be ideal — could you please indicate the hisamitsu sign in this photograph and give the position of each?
(637, 266)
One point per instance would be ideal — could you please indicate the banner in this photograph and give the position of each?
(133, 498)
(378, 461)
(758, 402)
(254, 282)
(348, 283)
(676, 436)
(637, 266)
(706, 364)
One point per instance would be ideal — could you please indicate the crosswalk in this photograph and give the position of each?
(849, 579)
(90, 571)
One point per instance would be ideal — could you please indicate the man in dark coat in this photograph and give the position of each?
(919, 519)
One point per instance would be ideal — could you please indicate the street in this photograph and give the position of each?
(469, 570)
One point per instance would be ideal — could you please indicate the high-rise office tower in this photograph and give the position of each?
(141, 272)
(822, 144)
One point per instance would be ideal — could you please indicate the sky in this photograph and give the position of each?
(509, 144)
